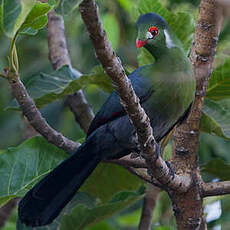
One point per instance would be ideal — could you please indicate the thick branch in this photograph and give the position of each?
(151, 196)
(188, 207)
(112, 66)
(215, 188)
(59, 56)
(35, 118)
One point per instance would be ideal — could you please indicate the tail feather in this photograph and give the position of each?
(43, 203)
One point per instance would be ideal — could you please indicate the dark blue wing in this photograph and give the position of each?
(112, 108)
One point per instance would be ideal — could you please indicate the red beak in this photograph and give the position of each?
(140, 43)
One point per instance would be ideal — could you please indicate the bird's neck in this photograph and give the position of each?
(165, 53)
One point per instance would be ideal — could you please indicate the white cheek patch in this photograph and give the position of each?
(168, 40)
(148, 35)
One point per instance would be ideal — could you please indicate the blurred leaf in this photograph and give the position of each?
(47, 88)
(215, 119)
(112, 29)
(66, 7)
(52, 3)
(22, 166)
(83, 216)
(127, 5)
(181, 23)
(218, 168)
(219, 84)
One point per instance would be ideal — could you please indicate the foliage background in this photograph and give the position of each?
(119, 20)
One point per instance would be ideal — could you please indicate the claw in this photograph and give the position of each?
(171, 169)
(157, 151)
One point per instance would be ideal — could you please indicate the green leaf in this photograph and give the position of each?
(14, 15)
(181, 23)
(46, 88)
(83, 216)
(218, 168)
(127, 5)
(112, 29)
(23, 166)
(37, 18)
(20, 16)
(219, 84)
(215, 119)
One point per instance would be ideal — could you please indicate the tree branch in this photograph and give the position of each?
(129, 100)
(59, 56)
(151, 196)
(127, 161)
(6, 211)
(215, 188)
(188, 207)
(34, 116)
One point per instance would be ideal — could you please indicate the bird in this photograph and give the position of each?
(166, 91)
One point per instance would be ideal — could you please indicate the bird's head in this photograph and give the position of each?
(153, 31)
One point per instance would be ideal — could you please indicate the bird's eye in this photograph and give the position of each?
(154, 30)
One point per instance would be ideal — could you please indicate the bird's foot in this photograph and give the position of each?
(171, 169)
(157, 151)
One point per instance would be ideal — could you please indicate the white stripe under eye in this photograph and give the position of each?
(149, 35)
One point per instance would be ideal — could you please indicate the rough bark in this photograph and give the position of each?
(216, 188)
(59, 56)
(187, 207)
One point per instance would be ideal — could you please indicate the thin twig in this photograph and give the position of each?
(127, 161)
(112, 66)
(151, 196)
(59, 56)
(6, 211)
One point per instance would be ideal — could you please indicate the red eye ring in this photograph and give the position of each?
(154, 30)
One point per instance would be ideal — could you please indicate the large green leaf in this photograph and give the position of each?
(22, 166)
(46, 88)
(215, 119)
(14, 14)
(181, 23)
(219, 84)
(22, 16)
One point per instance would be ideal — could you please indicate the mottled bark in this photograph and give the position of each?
(188, 207)
(215, 188)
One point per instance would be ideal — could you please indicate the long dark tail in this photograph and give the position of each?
(43, 203)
